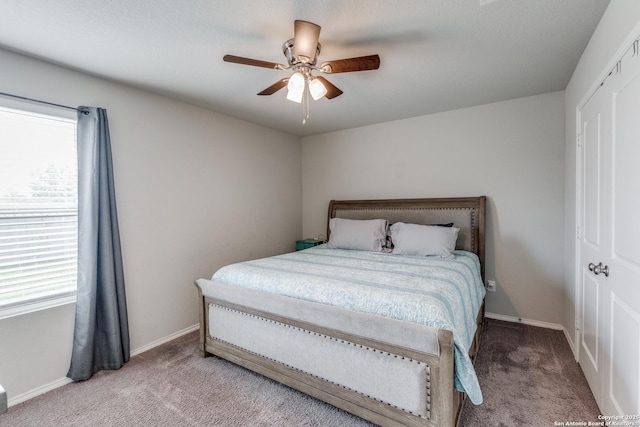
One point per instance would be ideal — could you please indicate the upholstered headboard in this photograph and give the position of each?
(466, 213)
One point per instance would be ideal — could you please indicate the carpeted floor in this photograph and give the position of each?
(527, 374)
(528, 377)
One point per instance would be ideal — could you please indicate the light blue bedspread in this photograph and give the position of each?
(431, 291)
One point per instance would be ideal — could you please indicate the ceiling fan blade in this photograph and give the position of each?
(332, 91)
(275, 87)
(361, 63)
(249, 61)
(306, 35)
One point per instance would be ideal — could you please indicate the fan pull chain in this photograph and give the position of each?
(305, 103)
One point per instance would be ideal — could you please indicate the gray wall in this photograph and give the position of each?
(195, 190)
(512, 151)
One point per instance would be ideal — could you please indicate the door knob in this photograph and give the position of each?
(602, 269)
(597, 269)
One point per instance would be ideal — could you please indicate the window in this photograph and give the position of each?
(38, 211)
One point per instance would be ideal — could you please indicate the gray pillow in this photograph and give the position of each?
(360, 234)
(424, 240)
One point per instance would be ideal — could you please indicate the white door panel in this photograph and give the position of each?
(591, 133)
(626, 169)
(590, 321)
(609, 203)
(596, 130)
(625, 358)
(622, 391)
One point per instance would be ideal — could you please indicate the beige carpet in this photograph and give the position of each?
(527, 374)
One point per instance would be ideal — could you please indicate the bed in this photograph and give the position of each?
(386, 368)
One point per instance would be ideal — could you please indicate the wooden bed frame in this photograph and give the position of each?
(444, 402)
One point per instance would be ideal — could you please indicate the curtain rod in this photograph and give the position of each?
(24, 98)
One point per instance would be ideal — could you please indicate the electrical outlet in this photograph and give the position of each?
(491, 285)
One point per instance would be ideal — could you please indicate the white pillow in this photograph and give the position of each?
(361, 234)
(424, 240)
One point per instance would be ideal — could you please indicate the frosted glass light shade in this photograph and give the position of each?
(317, 89)
(295, 95)
(296, 82)
(296, 87)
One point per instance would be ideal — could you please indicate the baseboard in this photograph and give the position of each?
(524, 321)
(166, 339)
(571, 344)
(38, 391)
(64, 381)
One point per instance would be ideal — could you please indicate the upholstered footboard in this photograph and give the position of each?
(387, 371)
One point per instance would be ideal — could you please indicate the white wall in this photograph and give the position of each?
(512, 151)
(195, 190)
(620, 22)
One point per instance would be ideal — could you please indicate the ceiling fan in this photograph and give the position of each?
(302, 53)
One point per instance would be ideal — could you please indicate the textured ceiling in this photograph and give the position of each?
(436, 55)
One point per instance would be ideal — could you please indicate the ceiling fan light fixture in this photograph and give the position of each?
(295, 95)
(296, 87)
(317, 89)
(296, 82)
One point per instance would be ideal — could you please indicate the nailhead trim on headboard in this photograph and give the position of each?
(470, 216)
(420, 216)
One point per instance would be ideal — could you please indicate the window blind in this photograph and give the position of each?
(38, 207)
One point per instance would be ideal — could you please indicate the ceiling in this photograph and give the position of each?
(436, 55)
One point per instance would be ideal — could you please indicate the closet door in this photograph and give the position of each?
(594, 239)
(609, 352)
(622, 372)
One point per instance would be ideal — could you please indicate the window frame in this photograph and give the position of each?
(63, 298)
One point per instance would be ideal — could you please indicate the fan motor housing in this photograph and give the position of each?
(288, 48)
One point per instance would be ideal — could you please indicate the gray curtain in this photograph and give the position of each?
(101, 335)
